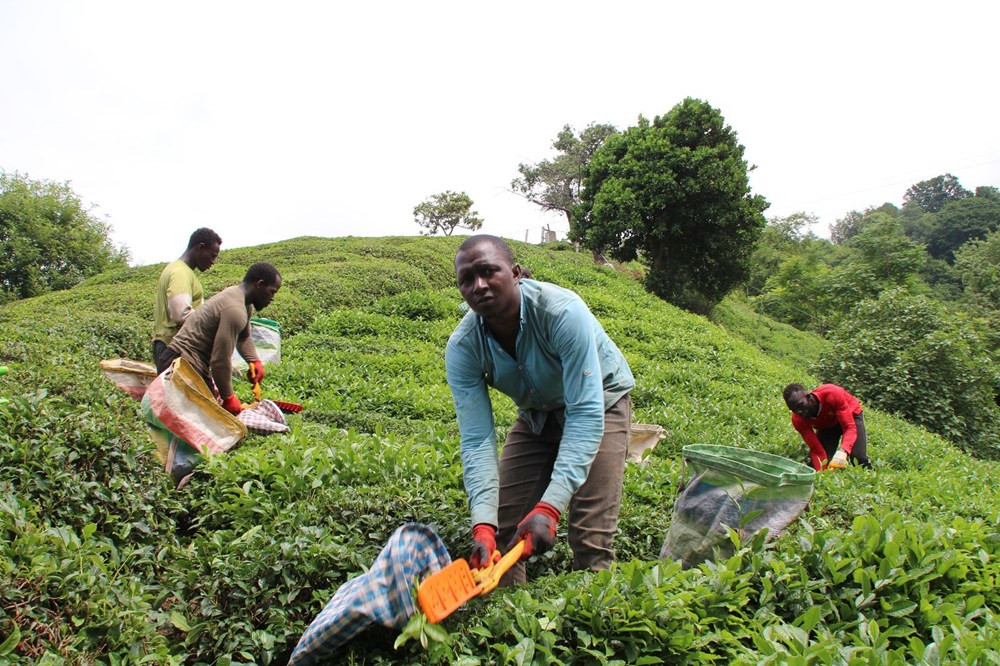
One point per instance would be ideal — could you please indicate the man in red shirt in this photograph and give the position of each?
(831, 424)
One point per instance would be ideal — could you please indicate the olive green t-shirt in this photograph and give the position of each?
(177, 279)
(210, 334)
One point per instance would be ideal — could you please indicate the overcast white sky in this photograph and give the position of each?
(267, 121)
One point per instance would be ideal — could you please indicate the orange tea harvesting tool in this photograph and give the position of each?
(287, 407)
(441, 594)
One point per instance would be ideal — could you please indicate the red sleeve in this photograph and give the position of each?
(816, 451)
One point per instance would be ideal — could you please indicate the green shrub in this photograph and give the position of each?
(908, 356)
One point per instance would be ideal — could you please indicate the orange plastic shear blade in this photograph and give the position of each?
(442, 593)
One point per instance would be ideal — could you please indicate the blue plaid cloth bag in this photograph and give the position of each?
(382, 595)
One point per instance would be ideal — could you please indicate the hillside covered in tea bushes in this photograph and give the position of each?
(102, 561)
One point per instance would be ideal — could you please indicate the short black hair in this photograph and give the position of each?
(262, 271)
(791, 390)
(204, 235)
(497, 242)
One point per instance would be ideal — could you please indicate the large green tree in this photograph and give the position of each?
(931, 195)
(555, 184)
(675, 193)
(49, 239)
(445, 212)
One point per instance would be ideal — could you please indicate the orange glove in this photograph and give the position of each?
(255, 373)
(484, 544)
(538, 530)
(232, 405)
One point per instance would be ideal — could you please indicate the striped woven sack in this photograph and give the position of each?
(180, 402)
(131, 376)
(382, 595)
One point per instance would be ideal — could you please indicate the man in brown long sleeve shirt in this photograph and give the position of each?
(209, 335)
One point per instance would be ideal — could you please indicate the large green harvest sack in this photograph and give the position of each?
(186, 422)
(737, 488)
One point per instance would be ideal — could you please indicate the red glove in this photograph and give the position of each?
(232, 405)
(484, 545)
(255, 373)
(538, 529)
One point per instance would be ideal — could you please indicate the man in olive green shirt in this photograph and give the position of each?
(208, 337)
(178, 291)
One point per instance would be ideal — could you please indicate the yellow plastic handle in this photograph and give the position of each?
(488, 577)
(256, 384)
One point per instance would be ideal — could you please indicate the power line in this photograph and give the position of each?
(901, 181)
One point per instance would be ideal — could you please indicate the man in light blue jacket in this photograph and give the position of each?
(540, 345)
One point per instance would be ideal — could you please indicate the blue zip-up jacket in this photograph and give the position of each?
(564, 360)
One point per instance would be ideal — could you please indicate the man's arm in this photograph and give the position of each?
(573, 337)
(179, 298)
(478, 443)
(816, 451)
(245, 345)
(231, 323)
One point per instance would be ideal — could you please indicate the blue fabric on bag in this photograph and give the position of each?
(383, 595)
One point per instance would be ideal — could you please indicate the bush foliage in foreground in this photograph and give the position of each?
(102, 562)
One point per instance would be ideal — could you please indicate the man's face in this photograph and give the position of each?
(489, 283)
(206, 255)
(802, 404)
(264, 293)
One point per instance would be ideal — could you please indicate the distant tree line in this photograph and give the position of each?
(909, 298)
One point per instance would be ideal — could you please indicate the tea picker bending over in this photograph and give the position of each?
(540, 345)
(208, 337)
(831, 423)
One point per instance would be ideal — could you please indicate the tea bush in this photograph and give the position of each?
(101, 561)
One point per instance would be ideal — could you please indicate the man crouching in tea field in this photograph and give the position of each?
(209, 335)
(540, 345)
(831, 423)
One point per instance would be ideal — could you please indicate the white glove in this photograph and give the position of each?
(839, 460)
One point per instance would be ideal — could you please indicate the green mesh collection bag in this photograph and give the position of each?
(737, 488)
(266, 336)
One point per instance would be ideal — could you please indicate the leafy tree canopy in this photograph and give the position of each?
(977, 264)
(675, 193)
(815, 286)
(445, 212)
(988, 192)
(851, 224)
(959, 222)
(48, 239)
(781, 238)
(555, 184)
(886, 253)
(931, 195)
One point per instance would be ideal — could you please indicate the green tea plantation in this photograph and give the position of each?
(103, 562)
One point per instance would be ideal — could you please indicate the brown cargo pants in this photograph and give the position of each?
(526, 463)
